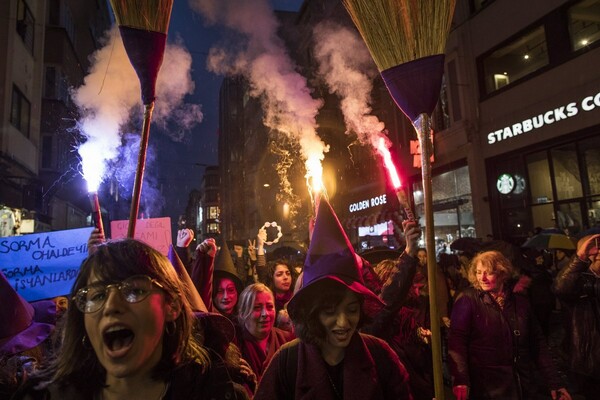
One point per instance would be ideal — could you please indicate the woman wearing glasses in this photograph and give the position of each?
(129, 334)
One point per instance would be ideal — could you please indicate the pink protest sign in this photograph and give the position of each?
(155, 232)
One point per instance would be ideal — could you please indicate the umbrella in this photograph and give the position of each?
(467, 244)
(550, 241)
(592, 231)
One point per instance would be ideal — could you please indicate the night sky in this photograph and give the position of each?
(177, 162)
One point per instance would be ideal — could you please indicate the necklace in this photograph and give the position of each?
(100, 396)
(337, 393)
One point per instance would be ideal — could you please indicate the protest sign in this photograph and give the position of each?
(155, 232)
(44, 265)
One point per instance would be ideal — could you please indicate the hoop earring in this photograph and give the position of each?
(85, 343)
(170, 328)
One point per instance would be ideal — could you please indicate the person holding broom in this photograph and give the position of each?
(331, 359)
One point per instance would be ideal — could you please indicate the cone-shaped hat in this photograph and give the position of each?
(214, 321)
(224, 267)
(331, 256)
(18, 330)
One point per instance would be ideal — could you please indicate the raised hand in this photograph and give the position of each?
(184, 237)
(208, 246)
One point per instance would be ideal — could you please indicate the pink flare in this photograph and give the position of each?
(389, 165)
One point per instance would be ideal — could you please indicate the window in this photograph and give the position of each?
(213, 212)
(515, 60)
(584, 23)
(20, 111)
(59, 14)
(566, 172)
(213, 227)
(25, 24)
(47, 152)
(55, 84)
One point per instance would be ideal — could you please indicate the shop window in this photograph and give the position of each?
(515, 60)
(594, 212)
(539, 178)
(20, 111)
(591, 159)
(569, 218)
(25, 24)
(452, 206)
(566, 172)
(543, 216)
(584, 23)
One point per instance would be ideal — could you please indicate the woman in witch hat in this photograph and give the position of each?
(129, 333)
(331, 359)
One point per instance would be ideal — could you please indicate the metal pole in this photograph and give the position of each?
(141, 166)
(423, 127)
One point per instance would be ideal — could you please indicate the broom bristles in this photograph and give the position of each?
(148, 15)
(399, 31)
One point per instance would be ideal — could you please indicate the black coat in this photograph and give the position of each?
(493, 350)
(187, 382)
(579, 290)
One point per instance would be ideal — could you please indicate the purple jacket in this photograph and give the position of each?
(493, 350)
(371, 371)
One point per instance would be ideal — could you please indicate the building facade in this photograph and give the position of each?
(47, 44)
(516, 130)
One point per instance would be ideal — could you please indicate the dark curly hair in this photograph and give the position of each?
(272, 265)
(315, 298)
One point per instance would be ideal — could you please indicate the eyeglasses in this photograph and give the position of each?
(134, 289)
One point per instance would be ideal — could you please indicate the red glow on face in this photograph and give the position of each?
(387, 162)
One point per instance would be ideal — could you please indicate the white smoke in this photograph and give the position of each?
(262, 59)
(111, 93)
(347, 68)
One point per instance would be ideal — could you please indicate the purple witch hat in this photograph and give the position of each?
(331, 256)
(18, 329)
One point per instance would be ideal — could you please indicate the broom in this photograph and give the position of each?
(407, 38)
(143, 25)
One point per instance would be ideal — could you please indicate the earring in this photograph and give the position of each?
(170, 328)
(85, 343)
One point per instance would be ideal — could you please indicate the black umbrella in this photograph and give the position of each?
(467, 244)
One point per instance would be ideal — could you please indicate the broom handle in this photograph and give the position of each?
(139, 174)
(422, 125)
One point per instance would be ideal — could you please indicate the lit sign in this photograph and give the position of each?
(546, 118)
(364, 204)
(505, 183)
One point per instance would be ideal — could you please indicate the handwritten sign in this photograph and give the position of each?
(44, 265)
(155, 232)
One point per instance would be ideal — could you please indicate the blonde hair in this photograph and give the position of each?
(492, 261)
(247, 298)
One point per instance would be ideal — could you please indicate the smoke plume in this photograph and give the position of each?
(347, 68)
(111, 95)
(262, 59)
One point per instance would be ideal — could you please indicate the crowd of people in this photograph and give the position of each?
(210, 323)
